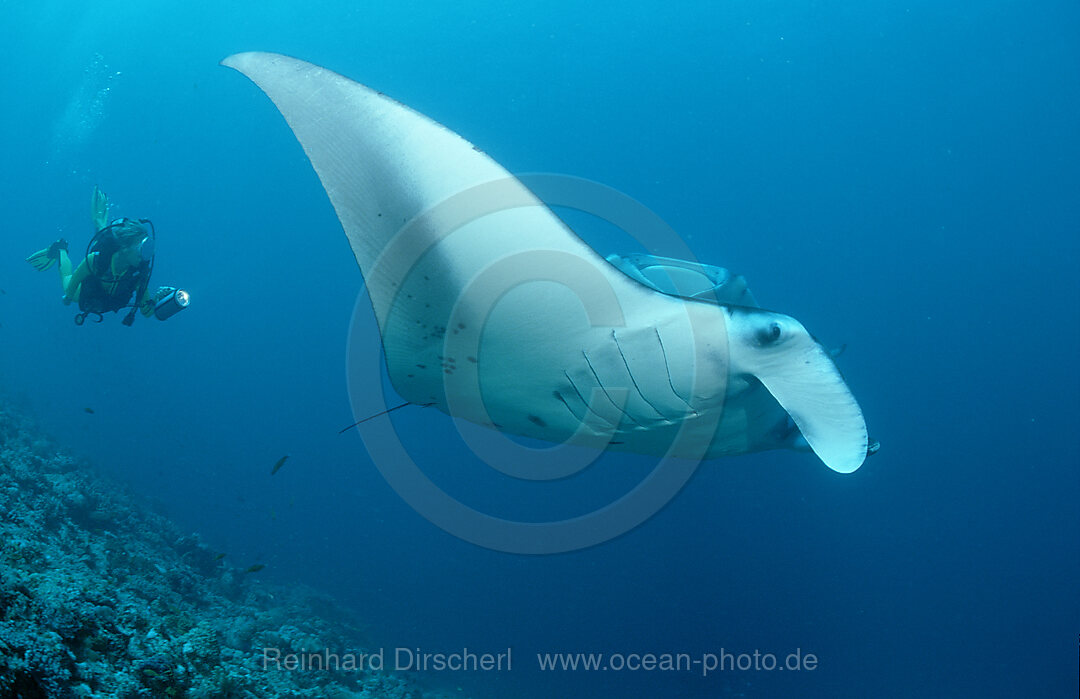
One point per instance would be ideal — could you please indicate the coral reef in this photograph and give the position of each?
(100, 597)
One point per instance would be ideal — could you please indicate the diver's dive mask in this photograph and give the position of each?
(137, 234)
(146, 249)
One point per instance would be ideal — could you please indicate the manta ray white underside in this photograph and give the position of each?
(493, 310)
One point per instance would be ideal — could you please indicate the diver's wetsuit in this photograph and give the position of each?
(114, 285)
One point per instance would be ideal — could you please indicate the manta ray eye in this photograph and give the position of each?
(769, 334)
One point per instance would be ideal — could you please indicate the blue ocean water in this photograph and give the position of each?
(901, 177)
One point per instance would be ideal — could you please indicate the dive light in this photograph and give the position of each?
(176, 301)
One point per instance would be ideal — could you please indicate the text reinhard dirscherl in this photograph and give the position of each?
(401, 660)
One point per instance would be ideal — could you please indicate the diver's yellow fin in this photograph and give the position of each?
(41, 260)
(99, 208)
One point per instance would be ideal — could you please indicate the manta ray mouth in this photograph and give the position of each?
(802, 377)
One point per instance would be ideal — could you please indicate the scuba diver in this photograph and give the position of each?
(115, 274)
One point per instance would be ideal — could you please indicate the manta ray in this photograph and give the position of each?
(492, 309)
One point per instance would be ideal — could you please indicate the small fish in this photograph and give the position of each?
(219, 557)
(255, 568)
(89, 411)
(279, 464)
